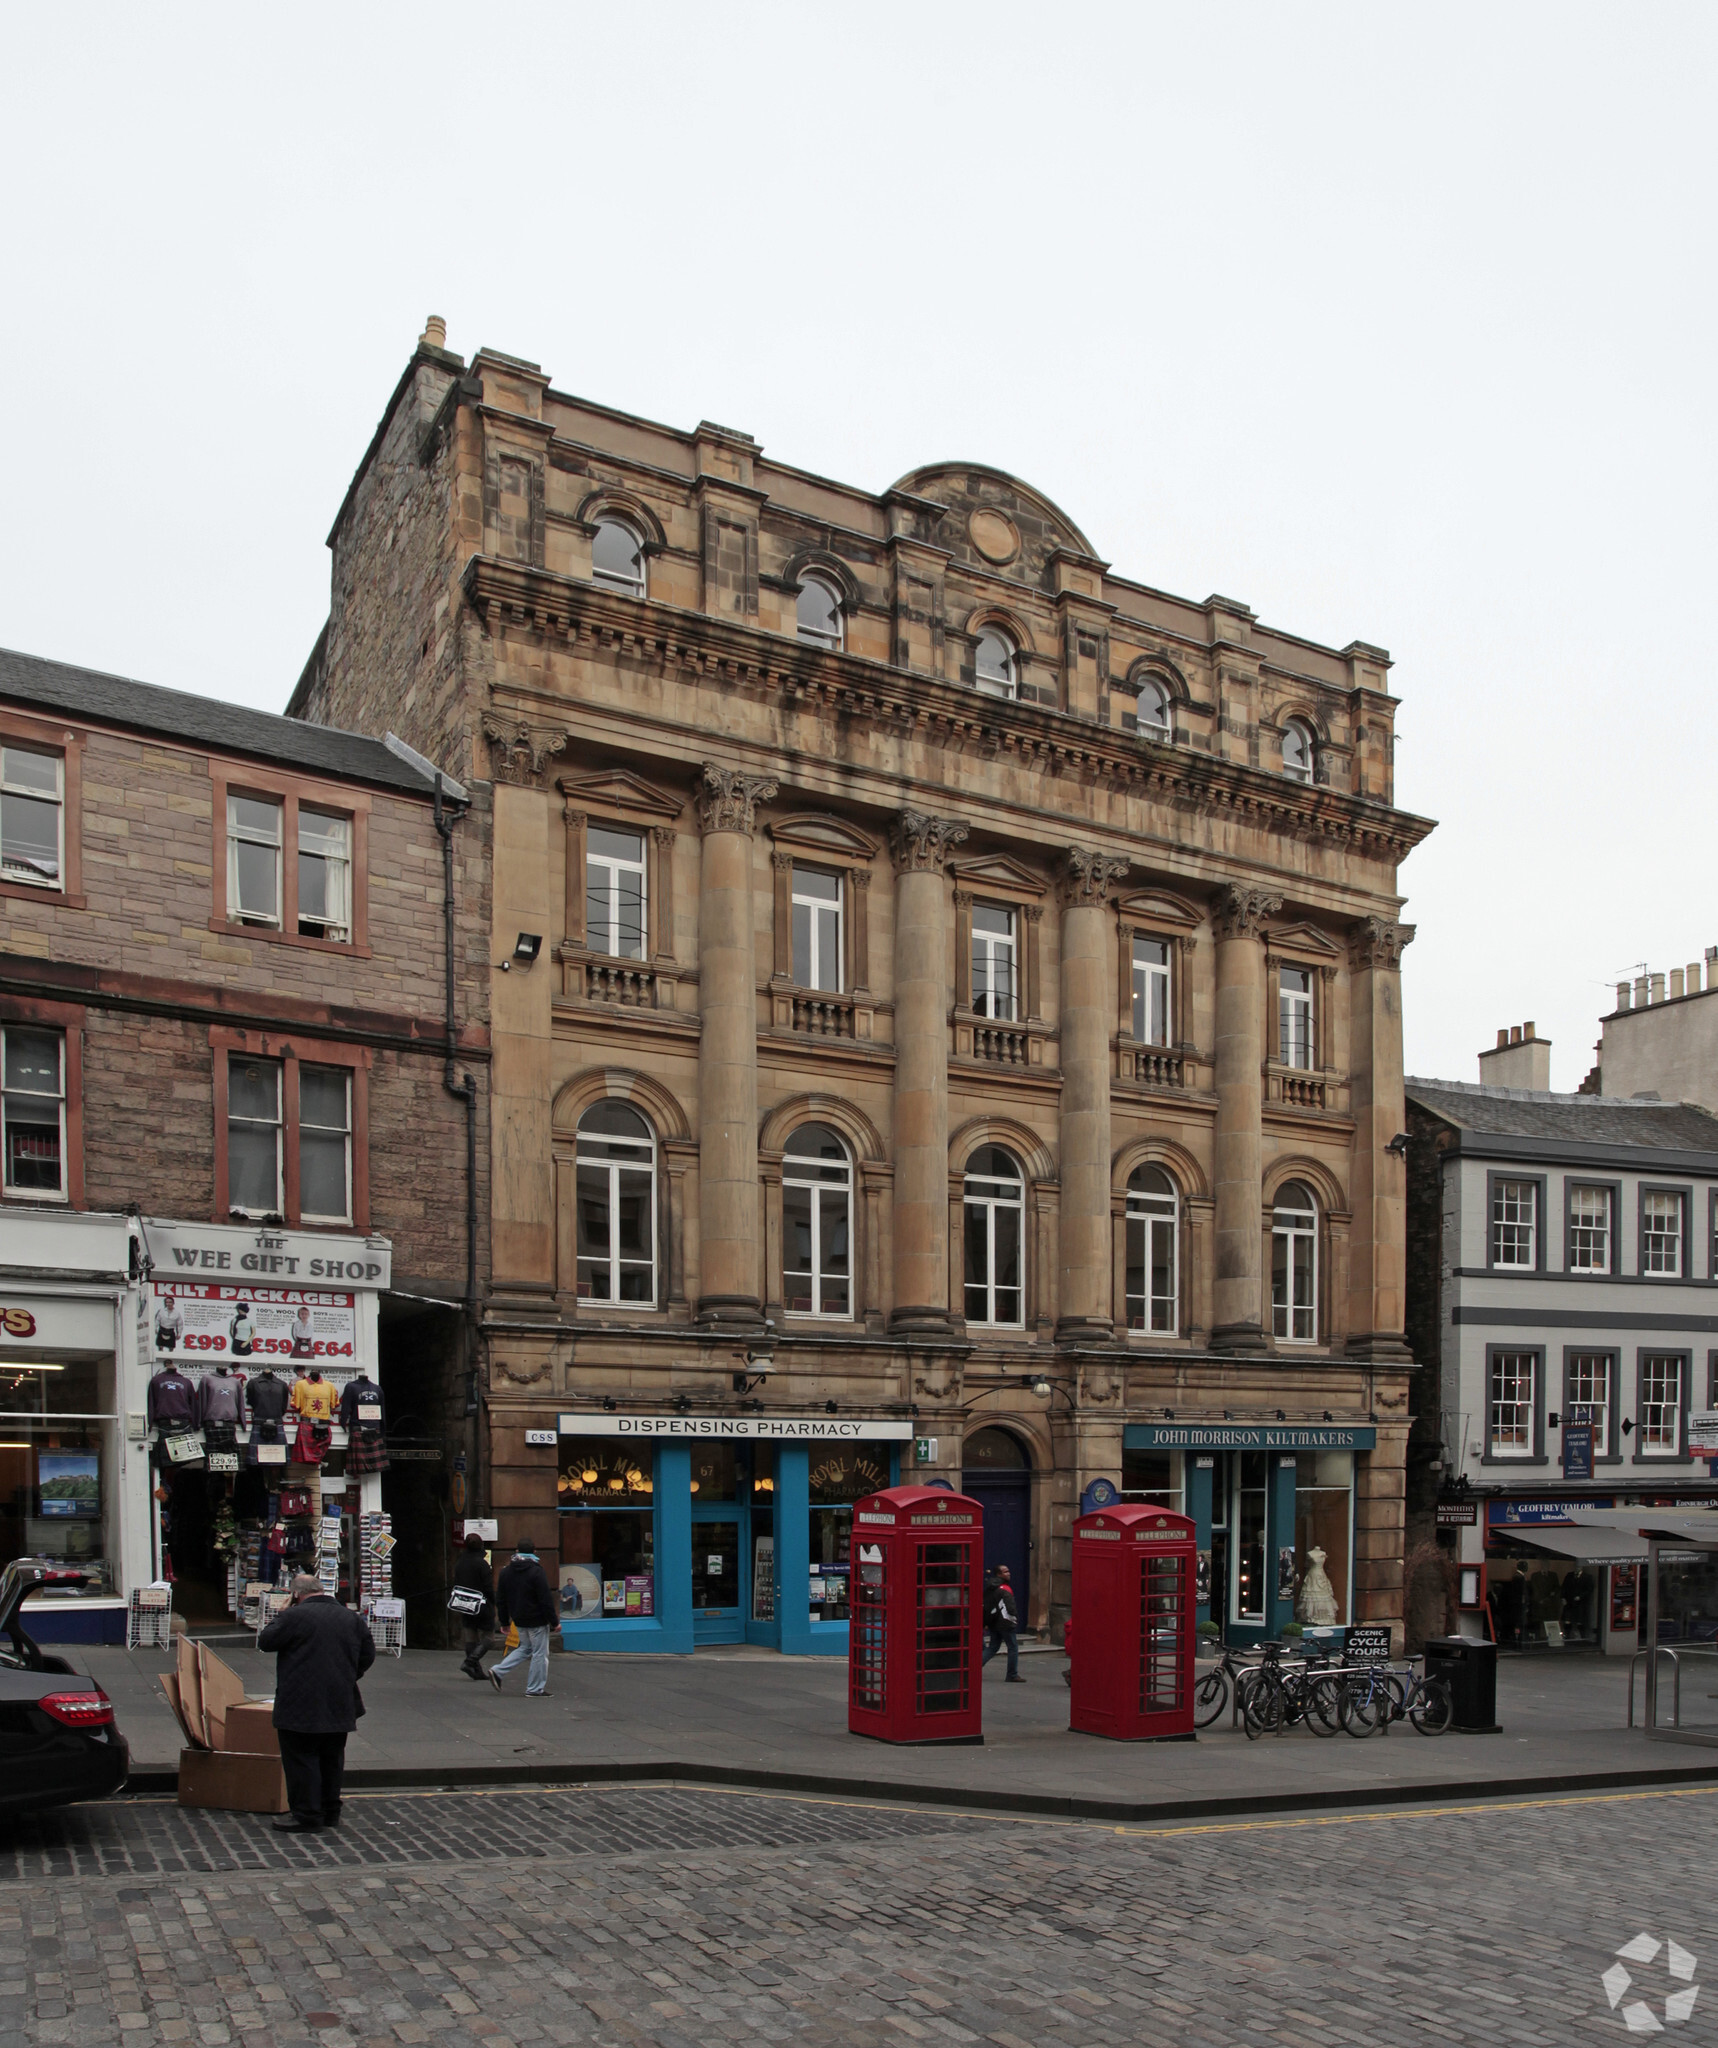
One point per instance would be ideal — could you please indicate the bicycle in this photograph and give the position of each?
(1370, 1702)
(1213, 1692)
(1273, 1698)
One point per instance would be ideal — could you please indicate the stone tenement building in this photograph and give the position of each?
(945, 1012)
(223, 1007)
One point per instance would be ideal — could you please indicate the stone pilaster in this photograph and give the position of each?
(729, 1232)
(1377, 1275)
(920, 846)
(1086, 1235)
(1237, 1291)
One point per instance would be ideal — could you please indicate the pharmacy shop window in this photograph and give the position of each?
(606, 1493)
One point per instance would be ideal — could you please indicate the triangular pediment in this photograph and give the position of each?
(995, 871)
(618, 789)
(819, 832)
(1161, 907)
(1302, 938)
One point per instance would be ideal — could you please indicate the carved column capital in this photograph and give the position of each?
(727, 798)
(1240, 913)
(571, 813)
(781, 862)
(860, 878)
(664, 835)
(920, 843)
(518, 750)
(1378, 941)
(1086, 876)
(1034, 913)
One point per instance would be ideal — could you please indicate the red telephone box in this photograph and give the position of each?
(913, 1634)
(1133, 1614)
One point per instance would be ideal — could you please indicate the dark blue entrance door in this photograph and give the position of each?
(997, 1475)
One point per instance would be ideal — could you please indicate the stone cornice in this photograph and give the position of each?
(665, 636)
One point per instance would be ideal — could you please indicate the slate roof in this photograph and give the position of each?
(1571, 1119)
(85, 693)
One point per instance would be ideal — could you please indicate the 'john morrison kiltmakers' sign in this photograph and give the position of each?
(1247, 1436)
(744, 1428)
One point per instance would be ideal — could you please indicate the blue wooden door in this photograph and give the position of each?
(1006, 1498)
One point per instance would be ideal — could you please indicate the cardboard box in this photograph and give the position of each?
(248, 1729)
(231, 1781)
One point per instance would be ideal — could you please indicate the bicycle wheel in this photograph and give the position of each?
(1262, 1711)
(1323, 1700)
(1431, 1709)
(1395, 1693)
(1210, 1697)
(1359, 1708)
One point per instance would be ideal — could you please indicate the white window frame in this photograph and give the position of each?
(1297, 1023)
(994, 949)
(1006, 683)
(1298, 728)
(819, 909)
(1150, 975)
(988, 1204)
(252, 835)
(63, 1191)
(613, 866)
(343, 1131)
(1658, 1246)
(1294, 1321)
(611, 579)
(334, 851)
(613, 1168)
(815, 635)
(1653, 1443)
(18, 870)
(1153, 1213)
(1584, 1371)
(1523, 1412)
(1160, 725)
(278, 1124)
(816, 1181)
(1512, 1226)
(1590, 1237)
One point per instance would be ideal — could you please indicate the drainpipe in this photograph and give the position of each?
(463, 1090)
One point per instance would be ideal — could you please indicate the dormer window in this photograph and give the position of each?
(819, 613)
(1149, 714)
(617, 557)
(996, 665)
(1299, 750)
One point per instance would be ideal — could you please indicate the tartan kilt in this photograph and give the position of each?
(366, 1451)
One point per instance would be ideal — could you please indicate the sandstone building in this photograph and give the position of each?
(944, 1007)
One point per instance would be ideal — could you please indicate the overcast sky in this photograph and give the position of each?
(1398, 333)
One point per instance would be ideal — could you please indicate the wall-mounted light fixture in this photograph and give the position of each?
(526, 947)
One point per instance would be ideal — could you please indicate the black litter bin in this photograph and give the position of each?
(1469, 1667)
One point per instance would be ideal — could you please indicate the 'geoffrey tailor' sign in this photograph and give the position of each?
(745, 1428)
(1247, 1436)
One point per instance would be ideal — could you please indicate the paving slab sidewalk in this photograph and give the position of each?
(765, 1719)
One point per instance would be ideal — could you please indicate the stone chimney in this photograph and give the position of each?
(1519, 1059)
(434, 334)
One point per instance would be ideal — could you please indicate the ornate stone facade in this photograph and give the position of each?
(1160, 971)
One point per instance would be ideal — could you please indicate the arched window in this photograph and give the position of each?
(616, 1207)
(617, 556)
(817, 1224)
(995, 1211)
(1153, 1265)
(1294, 1265)
(996, 664)
(1152, 717)
(819, 613)
(1299, 750)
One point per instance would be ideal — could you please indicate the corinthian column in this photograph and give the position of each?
(920, 845)
(1237, 1307)
(730, 1249)
(1088, 1013)
(1377, 1274)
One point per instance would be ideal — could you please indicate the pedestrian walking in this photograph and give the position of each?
(473, 1577)
(523, 1599)
(1002, 1620)
(322, 1650)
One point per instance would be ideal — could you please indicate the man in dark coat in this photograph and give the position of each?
(324, 1649)
(523, 1598)
(1002, 1620)
(471, 1570)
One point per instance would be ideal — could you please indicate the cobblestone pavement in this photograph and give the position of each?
(679, 1918)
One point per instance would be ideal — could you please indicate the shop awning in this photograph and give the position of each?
(1669, 1525)
(1583, 1546)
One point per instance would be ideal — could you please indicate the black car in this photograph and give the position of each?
(58, 1739)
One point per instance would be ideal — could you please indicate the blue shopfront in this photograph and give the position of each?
(678, 1531)
(1273, 1514)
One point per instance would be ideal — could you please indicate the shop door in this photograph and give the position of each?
(995, 1473)
(719, 1574)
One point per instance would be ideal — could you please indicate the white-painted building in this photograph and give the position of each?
(1562, 1248)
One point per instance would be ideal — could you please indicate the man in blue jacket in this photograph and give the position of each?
(523, 1598)
(323, 1651)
